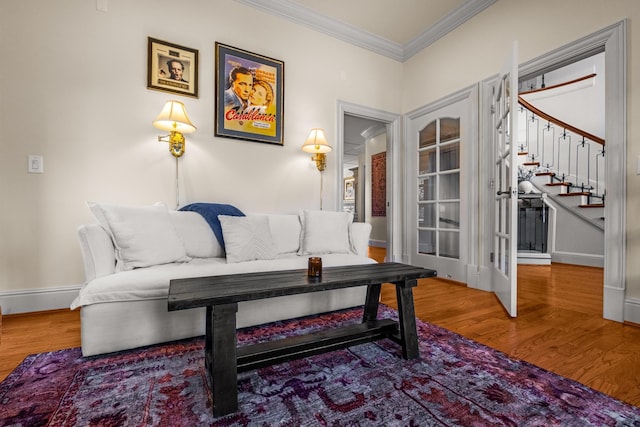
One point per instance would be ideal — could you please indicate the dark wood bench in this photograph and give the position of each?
(221, 295)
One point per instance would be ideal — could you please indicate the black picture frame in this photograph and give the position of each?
(164, 60)
(249, 96)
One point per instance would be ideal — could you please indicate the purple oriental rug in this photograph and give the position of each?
(456, 382)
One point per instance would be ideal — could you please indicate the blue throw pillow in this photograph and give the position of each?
(210, 212)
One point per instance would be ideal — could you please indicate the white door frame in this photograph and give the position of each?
(394, 169)
(612, 41)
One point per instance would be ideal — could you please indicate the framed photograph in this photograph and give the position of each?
(349, 189)
(249, 96)
(172, 68)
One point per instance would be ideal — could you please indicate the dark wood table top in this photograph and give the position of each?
(233, 288)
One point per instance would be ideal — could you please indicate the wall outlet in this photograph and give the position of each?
(35, 164)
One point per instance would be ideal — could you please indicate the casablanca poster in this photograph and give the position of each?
(249, 96)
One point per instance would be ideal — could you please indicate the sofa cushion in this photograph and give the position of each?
(285, 230)
(196, 235)
(153, 282)
(142, 236)
(247, 238)
(325, 232)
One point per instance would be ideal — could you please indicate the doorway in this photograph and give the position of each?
(611, 41)
(364, 174)
(367, 175)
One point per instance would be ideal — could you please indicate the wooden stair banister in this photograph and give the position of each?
(559, 122)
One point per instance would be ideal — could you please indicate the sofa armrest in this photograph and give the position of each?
(360, 233)
(98, 252)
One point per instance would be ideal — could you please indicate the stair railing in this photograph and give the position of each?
(575, 158)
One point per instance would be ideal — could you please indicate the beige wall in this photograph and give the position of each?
(476, 51)
(73, 89)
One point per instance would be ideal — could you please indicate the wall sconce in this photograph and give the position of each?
(173, 118)
(317, 144)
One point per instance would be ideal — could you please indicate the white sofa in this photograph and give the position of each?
(133, 253)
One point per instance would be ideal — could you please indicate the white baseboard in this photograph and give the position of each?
(378, 243)
(534, 258)
(38, 299)
(578, 259)
(632, 310)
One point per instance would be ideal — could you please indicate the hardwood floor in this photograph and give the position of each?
(25, 334)
(559, 326)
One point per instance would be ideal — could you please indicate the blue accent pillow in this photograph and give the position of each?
(210, 212)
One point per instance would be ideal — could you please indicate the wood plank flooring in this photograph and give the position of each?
(559, 327)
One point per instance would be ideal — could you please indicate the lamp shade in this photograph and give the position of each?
(173, 117)
(316, 142)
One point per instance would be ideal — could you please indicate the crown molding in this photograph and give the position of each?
(453, 20)
(303, 15)
(309, 18)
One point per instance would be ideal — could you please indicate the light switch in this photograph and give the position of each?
(35, 164)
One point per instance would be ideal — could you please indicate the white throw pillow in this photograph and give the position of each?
(285, 230)
(325, 232)
(196, 235)
(142, 236)
(247, 238)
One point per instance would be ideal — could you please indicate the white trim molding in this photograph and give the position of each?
(394, 169)
(453, 20)
(631, 307)
(578, 259)
(612, 41)
(378, 243)
(30, 300)
(308, 17)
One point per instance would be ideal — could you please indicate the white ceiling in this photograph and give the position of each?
(397, 20)
(397, 29)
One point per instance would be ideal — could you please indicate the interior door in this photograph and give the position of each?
(504, 120)
(437, 194)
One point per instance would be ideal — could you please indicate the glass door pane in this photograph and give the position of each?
(438, 225)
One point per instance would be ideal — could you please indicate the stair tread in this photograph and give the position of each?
(552, 184)
(592, 205)
(580, 193)
(545, 174)
(531, 164)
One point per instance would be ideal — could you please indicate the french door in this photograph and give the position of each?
(505, 184)
(437, 160)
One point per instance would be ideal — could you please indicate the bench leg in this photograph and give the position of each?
(220, 357)
(371, 303)
(406, 312)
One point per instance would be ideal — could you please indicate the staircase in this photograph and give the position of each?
(568, 167)
(564, 164)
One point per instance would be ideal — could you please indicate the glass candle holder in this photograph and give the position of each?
(315, 267)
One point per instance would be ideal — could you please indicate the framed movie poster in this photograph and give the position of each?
(249, 96)
(172, 68)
